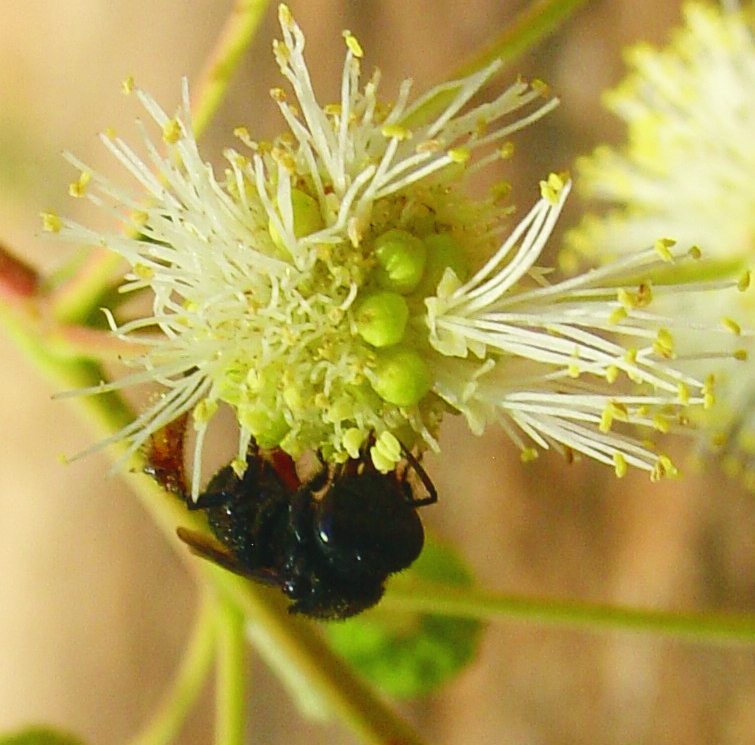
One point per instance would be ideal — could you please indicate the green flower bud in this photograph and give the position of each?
(381, 318)
(401, 258)
(443, 252)
(307, 217)
(402, 377)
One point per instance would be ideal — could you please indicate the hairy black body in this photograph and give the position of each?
(329, 543)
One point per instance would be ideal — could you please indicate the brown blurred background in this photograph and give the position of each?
(95, 606)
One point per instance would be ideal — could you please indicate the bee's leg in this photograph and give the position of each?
(432, 494)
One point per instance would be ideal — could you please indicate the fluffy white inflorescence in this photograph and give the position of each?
(338, 284)
(688, 171)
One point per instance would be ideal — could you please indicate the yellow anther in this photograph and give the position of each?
(139, 218)
(527, 455)
(617, 316)
(459, 154)
(172, 131)
(662, 246)
(78, 188)
(284, 159)
(51, 222)
(353, 44)
(732, 325)
(644, 295)
(620, 465)
(506, 150)
(551, 189)
(625, 298)
(663, 468)
(661, 423)
(639, 299)
(606, 420)
(285, 17)
(144, 272)
(203, 412)
(663, 345)
(683, 394)
(239, 466)
(396, 131)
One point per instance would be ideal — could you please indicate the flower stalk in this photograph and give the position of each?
(703, 627)
(194, 668)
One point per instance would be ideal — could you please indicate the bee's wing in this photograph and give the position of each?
(208, 548)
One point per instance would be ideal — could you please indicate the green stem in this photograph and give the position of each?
(75, 299)
(530, 27)
(236, 36)
(230, 687)
(447, 600)
(24, 325)
(166, 724)
(293, 648)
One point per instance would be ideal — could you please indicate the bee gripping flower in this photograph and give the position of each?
(338, 286)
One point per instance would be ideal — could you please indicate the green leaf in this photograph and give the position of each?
(39, 736)
(409, 655)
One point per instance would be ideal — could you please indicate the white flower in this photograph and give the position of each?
(339, 284)
(688, 171)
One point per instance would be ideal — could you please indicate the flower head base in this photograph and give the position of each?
(339, 287)
(688, 171)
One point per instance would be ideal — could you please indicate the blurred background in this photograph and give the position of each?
(95, 605)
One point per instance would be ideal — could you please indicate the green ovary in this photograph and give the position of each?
(401, 260)
(402, 377)
(381, 319)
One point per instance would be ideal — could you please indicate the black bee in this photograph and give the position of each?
(329, 543)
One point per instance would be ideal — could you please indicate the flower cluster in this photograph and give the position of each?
(339, 287)
(688, 171)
